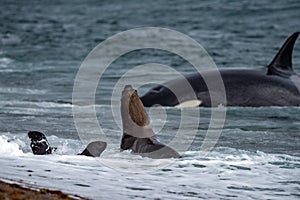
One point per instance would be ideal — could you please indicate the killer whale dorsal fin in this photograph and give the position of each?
(282, 63)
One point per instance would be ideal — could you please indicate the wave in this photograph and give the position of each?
(12, 90)
(19, 145)
(227, 170)
(4, 62)
(8, 149)
(40, 104)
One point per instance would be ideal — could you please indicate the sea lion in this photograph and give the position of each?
(138, 135)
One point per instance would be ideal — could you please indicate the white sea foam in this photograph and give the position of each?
(9, 148)
(224, 173)
(41, 104)
(12, 90)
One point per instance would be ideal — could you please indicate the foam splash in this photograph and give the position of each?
(9, 148)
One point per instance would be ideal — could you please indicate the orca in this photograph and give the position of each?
(138, 136)
(277, 86)
(40, 145)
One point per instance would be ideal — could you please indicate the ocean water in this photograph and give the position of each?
(42, 45)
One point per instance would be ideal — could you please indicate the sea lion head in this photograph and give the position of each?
(131, 102)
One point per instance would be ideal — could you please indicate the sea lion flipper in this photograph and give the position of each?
(127, 141)
(39, 143)
(94, 149)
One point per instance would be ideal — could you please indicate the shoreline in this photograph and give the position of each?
(17, 191)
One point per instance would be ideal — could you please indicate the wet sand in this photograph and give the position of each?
(14, 191)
